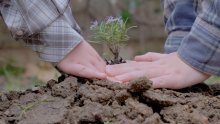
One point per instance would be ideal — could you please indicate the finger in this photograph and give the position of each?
(149, 57)
(90, 64)
(129, 76)
(93, 63)
(149, 73)
(167, 81)
(119, 69)
(113, 80)
(97, 61)
(83, 71)
(151, 70)
(99, 64)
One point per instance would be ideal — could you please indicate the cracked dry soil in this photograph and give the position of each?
(105, 102)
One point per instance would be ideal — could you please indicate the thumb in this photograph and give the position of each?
(150, 57)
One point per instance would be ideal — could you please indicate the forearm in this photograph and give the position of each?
(201, 47)
(51, 39)
(179, 17)
(54, 42)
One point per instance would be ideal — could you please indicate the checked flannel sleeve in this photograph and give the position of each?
(46, 26)
(201, 47)
(179, 16)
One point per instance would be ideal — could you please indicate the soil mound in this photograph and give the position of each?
(103, 102)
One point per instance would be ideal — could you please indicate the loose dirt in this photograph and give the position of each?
(103, 102)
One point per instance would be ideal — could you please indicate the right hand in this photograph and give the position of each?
(161, 71)
(83, 61)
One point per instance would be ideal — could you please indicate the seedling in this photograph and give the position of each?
(113, 32)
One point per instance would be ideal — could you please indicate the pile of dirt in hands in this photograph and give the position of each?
(103, 102)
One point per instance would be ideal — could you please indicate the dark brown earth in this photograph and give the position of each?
(105, 102)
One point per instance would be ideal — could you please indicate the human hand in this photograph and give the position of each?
(149, 57)
(83, 61)
(167, 72)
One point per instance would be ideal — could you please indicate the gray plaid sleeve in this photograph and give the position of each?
(51, 36)
(56, 40)
(38, 14)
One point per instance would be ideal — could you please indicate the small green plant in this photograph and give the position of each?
(113, 32)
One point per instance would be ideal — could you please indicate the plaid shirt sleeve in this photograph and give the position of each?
(179, 17)
(201, 47)
(47, 26)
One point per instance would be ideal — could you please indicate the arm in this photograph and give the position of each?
(55, 37)
(197, 57)
(204, 40)
(179, 17)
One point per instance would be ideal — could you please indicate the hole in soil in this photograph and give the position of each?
(136, 95)
(77, 101)
(61, 78)
(83, 80)
(154, 105)
(89, 122)
(109, 103)
(122, 103)
(216, 93)
(12, 121)
(81, 103)
(77, 97)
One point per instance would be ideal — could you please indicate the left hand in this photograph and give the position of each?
(83, 61)
(169, 71)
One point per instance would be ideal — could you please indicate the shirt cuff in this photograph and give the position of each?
(201, 48)
(174, 40)
(53, 47)
(55, 55)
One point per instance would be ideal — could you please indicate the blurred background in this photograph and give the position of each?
(145, 14)
(20, 68)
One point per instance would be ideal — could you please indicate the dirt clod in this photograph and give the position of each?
(139, 85)
(65, 88)
(104, 102)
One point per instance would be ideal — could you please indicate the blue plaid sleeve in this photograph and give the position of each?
(201, 47)
(179, 17)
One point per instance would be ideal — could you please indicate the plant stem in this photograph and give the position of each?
(115, 51)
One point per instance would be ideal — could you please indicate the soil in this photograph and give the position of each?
(73, 101)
